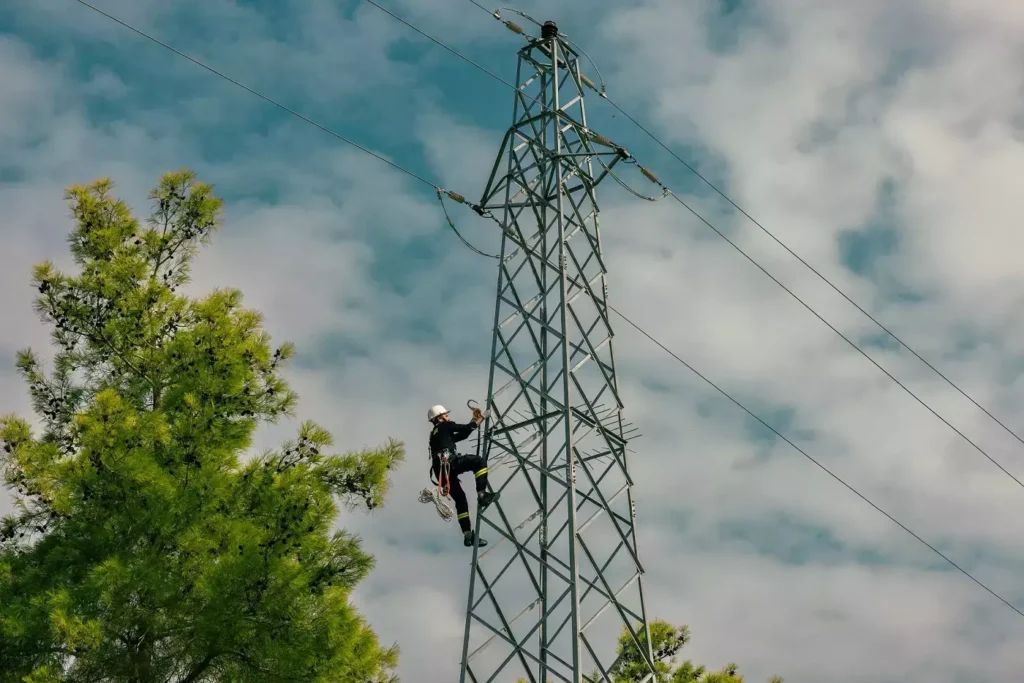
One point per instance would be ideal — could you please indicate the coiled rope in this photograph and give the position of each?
(430, 494)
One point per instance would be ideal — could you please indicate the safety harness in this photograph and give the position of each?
(444, 480)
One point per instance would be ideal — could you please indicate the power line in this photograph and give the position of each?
(451, 224)
(804, 453)
(815, 271)
(440, 190)
(474, 64)
(851, 343)
(482, 7)
(259, 95)
(614, 310)
(816, 462)
(604, 94)
(442, 45)
(791, 293)
(753, 261)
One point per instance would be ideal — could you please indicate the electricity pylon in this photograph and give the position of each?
(561, 577)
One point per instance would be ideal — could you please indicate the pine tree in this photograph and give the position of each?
(145, 547)
(666, 641)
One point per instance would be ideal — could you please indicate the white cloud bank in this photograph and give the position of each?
(800, 112)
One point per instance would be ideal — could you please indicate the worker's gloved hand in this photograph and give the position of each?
(478, 415)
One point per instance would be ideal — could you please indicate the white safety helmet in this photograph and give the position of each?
(436, 412)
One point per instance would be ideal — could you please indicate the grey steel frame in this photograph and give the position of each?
(555, 410)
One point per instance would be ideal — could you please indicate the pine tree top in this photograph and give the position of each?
(144, 547)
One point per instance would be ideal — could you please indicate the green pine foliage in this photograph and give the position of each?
(144, 547)
(666, 642)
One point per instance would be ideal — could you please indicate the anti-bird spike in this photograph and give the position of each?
(549, 599)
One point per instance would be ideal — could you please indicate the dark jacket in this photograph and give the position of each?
(445, 435)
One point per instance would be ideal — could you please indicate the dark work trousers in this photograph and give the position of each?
(462, 464)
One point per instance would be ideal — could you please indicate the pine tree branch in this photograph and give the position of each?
(200, 668)
(158, 259)
(97, 337)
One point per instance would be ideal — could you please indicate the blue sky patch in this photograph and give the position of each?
(878, 340)
(781, 418)
(728, 24)
(788, 540)
(655, 385)
(862, 248)
(330, 350)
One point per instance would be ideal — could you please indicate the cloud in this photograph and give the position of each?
(879, 141)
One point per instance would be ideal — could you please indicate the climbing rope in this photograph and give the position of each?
(430, 494)
(438, 494)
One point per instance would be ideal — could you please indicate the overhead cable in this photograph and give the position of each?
(817, 273)
(614, 310)
(257, 94)
(603, 93)
(438, 188)
(735, 246)
(807, 455)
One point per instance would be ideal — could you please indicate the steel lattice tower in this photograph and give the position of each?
(562, 576)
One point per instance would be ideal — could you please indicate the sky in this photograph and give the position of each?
(878, 140)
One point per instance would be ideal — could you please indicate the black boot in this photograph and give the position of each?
(469, 537)
(485, 498)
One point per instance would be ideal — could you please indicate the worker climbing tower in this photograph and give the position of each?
(561, 578)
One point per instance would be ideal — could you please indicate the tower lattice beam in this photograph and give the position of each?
(562, 576)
